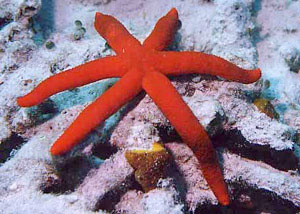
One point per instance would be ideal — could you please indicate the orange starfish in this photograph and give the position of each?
(143, 67)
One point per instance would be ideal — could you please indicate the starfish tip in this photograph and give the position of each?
(98, 15)
(254, 76)
(58, 149)
(258, 71)
(19, 101)
(173, 12)
(53, 151)
(98, 18)
(23, 102)
(225, 201)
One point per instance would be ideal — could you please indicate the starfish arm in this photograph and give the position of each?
(163, 32)
(174, 63)
(160, 89)
(87, 73)
(117, 36)
(103, 107)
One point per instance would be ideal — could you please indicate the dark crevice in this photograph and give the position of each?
(67, 178)
(259, 201)
(104, 150)
(112, 197)
(133, 103)
(236, 143)
(250, 200)
(167, 133)
(5, 21)
(9, 145)
(210, 208)
(29, 9)
(175, 173)
(42, 112)
(244, 198)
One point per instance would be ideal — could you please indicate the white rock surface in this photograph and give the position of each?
(246, 32)
(103, 185)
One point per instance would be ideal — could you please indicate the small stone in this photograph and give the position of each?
(266, 107)
(82, 29)
(196, 79)
(49, 44)
(267, 84)
(246, 201)
(13, 187)
(26, 82)
(78, 23)
(79, 33)
(181, 90)
(149, 165)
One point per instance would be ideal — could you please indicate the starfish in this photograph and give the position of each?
(143, 67)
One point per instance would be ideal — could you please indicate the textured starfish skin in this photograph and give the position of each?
(143, 67)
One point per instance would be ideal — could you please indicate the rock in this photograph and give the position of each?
(244, 176)
(291, 118)
(291, 56)
(265, 106)
(15, 37)
(103, 187)
(165, 200)
(9, 146)
(268, 187)
(130, 202)
(147, 124)
(271, 143)
(234, 16)
(188, 177)
(149, 165)
(247, 131)
(5, 132)
(256, 153)
(209, 112)
(135, 129)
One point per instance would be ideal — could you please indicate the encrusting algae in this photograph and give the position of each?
(149, 165)
(266, 107)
